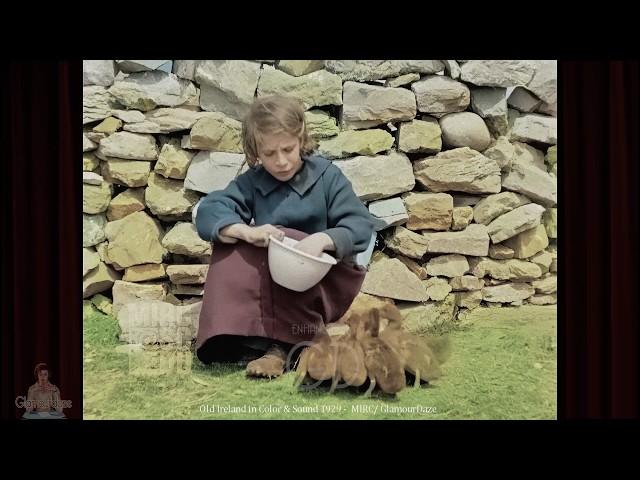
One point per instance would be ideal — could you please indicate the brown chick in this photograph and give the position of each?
(384, 367)
(301, 368)
(362, 304)
(318, 360)
(415, 353)
(350, 365)
(421, 356)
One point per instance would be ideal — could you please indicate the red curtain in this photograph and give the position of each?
(41, 230)
(598, 239)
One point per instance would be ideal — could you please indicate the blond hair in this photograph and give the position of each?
(272, 115)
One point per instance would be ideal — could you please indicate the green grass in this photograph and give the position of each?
(503, 366)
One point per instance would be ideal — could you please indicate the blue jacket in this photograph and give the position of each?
(319, 198)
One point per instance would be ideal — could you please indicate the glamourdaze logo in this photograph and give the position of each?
(23, 402)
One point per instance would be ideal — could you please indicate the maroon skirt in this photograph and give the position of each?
(241, 300)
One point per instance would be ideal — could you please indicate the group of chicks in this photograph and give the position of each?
(371, 344)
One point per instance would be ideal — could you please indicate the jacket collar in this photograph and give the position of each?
(312, 169)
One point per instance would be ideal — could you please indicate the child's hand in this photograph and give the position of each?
(259, 236)
(315, 244)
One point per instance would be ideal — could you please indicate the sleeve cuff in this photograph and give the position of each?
(209, 231)
(342, 240)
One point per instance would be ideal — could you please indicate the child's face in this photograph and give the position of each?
(279, 154)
